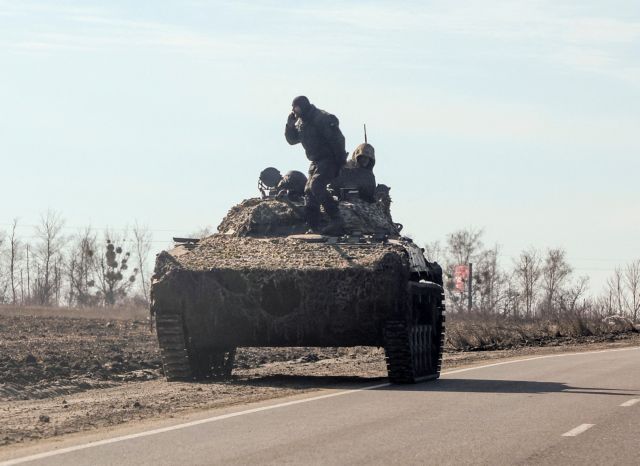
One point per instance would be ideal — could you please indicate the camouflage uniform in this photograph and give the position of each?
(358, 173)
(319, 133)
(364, 156)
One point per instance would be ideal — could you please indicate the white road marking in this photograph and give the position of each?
(578, 430)
(148, 433)
(630, 402)
(548, 356)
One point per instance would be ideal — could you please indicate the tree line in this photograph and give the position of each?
(536, 284)
(49, 268)
(86, 269)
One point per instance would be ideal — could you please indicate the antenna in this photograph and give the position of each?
(365, 133)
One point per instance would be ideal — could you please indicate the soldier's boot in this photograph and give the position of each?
(312, 217)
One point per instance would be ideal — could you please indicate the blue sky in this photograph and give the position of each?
(520, 118)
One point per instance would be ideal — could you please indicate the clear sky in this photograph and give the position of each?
(520, 117)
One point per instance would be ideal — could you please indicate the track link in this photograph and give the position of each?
(173, 347)
(398, 352)
(414, 350)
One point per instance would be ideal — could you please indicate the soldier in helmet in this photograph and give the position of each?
(358, 173)
(292, 185)
(319, 133)
(364, 156)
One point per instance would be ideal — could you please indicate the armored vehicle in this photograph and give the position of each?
(263, 281)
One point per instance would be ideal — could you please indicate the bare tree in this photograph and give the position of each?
(615, 287)
(463, 246)
(111, 267)
(604, 305)
(527, 273)
(554, 275)
(81, 267)
(48, 254)
(21, 287)
(14, 250)
(142, 238)
(29, 298)
(57, 279)
(632, 282)
(489, 281)
(434, 252)
(570, 298)
(623, 290)
(511, 302)
(4, 282)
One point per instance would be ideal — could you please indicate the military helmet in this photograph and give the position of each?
(268, 180)
(294, 181)
(302, 102)
(364, 150)
(270, 177)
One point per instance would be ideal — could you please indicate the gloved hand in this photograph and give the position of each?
(291, 119)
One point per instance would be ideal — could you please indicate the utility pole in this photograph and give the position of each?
(469, 293)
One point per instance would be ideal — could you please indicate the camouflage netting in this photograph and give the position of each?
(368, 218)
(258, 282)
(222, 251)
(247, 291)
(272, 217)
(262, 217)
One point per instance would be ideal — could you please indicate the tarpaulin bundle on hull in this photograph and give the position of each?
(273, 217)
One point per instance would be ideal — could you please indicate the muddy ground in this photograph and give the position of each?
(70, 371)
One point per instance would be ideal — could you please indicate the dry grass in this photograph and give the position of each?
(107, 313)
(465, 332)
(473, 332)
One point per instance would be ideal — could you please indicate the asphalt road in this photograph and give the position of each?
(569, 409)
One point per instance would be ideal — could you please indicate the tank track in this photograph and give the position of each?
(213, 364)
(173, 348)
(180, 361)
(414, 350)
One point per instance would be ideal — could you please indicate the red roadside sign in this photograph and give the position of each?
(461, 276)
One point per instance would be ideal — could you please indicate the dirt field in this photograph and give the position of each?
(70, 371)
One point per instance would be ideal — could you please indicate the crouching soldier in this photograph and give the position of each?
(292, 186)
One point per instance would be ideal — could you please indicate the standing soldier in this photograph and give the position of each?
(324, 146)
